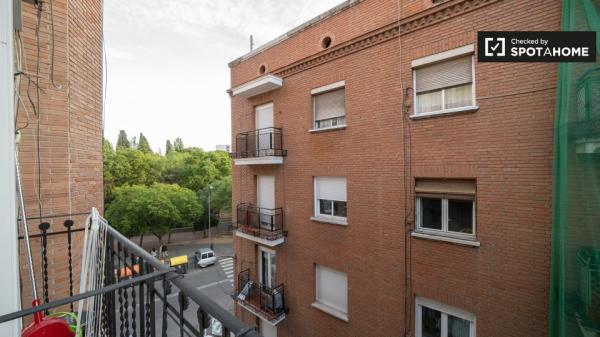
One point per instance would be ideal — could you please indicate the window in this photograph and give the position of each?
(330, 197)
(331, 291)
(329, 106)
(435, 319)
(267, 266)
(444, 82)
(446, 207)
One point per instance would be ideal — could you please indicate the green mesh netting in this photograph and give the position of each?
(575, 289)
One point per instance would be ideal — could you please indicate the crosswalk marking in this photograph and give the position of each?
(227, 266)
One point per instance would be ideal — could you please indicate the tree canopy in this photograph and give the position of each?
(123, 141)
(146, 192)
(143, 144)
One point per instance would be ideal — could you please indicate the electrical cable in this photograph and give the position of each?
(52, 46)
(407, 172)
(37, 85)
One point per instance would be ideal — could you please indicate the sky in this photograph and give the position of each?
(167, 72)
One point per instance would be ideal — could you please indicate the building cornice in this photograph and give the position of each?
(407, 25)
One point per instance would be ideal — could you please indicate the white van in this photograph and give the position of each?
(205, 257)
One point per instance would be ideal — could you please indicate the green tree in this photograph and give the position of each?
(143, 144)
(221, 161)
(196, 170)
(185, 200)
(178, 145)
(108, 155)
(123, 141)
(168, 147)
(138, 209)
(220, 200)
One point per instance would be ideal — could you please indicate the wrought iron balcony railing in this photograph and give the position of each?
(133, 300)
(260, 222)
(266, 142)
(264, 301)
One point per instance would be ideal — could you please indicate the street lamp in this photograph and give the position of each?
(210, 187)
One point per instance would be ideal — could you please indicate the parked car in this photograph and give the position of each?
(205, 257)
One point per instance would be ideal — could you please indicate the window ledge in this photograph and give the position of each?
(329, 310)
(466, 242)
(329, 220)
(445, 112)
(329, 128)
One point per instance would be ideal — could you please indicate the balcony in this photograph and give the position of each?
(261, 225)
(130, 294)
(263, 301)
(259, 147)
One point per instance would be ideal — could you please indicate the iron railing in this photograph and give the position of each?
(261, 222)
(134, 300)
(264, 142)
(268, 301)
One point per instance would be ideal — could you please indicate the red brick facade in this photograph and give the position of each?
(70, 129)
(505, 146)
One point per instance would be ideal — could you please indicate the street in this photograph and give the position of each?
(215, 281)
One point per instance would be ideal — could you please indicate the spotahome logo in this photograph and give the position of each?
(536, 46)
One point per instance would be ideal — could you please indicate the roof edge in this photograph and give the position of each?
(319, 18)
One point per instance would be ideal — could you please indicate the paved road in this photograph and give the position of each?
(215, 281)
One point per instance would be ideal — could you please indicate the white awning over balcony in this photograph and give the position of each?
(258, 86)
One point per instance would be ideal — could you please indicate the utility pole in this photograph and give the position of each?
(209, 227)
(251, 43)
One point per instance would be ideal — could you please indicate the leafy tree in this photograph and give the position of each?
(108, 155)
(123, 141)
(143, 144)
(137, 209)
(169, 147)
(221, 161)
(178, 145)
(220, 200)
(196, 170)
(106, 146)
(185, 200)
(136, 181)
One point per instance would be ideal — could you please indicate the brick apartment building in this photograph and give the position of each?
(58, 49)
(388, 184)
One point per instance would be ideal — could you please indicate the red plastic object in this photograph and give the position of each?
(47, 327)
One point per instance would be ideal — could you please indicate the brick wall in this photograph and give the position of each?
(70, 130)
(506, 146)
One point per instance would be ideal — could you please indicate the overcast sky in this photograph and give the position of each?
(167, 62)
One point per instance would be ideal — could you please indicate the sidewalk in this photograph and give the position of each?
(180, 239)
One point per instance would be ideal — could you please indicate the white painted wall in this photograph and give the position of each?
(9, 259)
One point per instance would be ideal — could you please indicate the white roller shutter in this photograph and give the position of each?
(444, 74)
(330, 188)
(265, 190)
(332, 288)
(330, 104)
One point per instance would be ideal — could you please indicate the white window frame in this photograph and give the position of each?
(322, 90)
(317, 209)
(445, 310)
(444, 231)
(441, 57)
